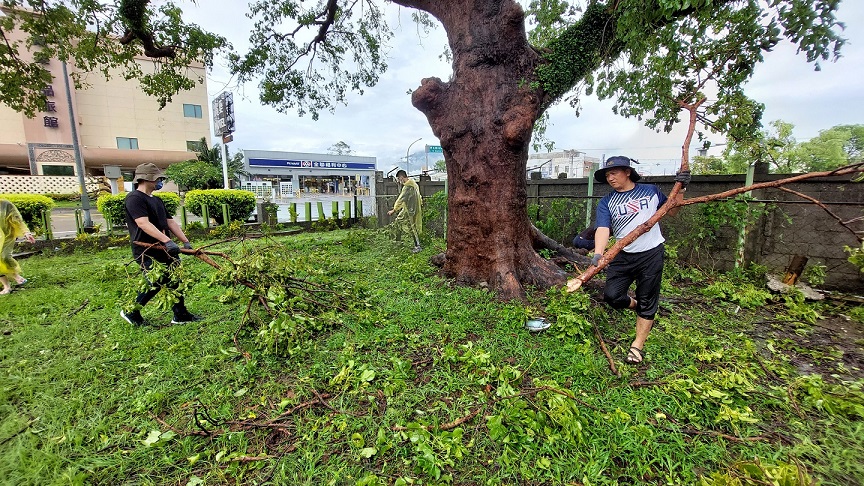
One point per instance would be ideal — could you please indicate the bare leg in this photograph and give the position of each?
(643, 327)
(19, 279)
(6, 287)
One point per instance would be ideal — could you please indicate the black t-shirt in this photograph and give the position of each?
(139, 204)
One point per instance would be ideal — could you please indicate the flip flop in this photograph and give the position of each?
(634, 356)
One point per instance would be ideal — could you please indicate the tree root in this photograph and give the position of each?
(575, 256)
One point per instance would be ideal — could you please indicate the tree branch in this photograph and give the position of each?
(830, 213)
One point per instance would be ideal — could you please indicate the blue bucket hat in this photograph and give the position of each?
(614, 162)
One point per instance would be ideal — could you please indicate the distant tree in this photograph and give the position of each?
(340, 148)
(775, 146)
(712, 164)
(441, 165)
(195, 174)
(835, 147)
(205, 171)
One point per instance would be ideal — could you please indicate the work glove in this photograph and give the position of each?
(596, 259)
(172, 248)
(683, 177)
(187, 245)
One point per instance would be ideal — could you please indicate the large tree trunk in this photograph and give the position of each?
(484, 117)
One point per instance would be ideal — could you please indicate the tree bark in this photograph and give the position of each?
(484, 117)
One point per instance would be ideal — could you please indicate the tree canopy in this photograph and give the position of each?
(205, 171)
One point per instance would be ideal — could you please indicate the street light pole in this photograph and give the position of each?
(407, 167)
(76, 147)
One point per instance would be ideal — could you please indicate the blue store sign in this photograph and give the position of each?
(311, 164)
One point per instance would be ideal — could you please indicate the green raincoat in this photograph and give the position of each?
(11, 226)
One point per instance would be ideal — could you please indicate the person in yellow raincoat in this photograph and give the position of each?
(11, 226)
(409, 218)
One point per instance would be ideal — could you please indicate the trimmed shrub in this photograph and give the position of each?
(74, 196)
(240, 203)
(171, 200)
(113, 207)
(30, 206)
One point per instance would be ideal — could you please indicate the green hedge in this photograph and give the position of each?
(113, 207)
(30, 206)
(240, 203)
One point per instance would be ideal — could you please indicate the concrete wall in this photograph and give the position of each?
(789, 226)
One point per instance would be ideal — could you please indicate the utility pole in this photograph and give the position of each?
(79, 162)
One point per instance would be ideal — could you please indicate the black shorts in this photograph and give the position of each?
(646, 269)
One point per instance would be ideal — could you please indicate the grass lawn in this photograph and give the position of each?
(389, 374)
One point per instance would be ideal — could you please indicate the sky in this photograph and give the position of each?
(382, 123)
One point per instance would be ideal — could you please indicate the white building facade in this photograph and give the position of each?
(573, 163)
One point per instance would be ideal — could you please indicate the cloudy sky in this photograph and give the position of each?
(383, 123)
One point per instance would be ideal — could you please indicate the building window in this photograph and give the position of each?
(193, 145)
(191, 111)
(124, 143)
(58, 170)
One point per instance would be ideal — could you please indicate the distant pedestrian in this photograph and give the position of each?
(409, 218)
(149, 222)
(12, 226)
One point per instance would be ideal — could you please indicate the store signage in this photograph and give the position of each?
(223, 114)
(311, 164)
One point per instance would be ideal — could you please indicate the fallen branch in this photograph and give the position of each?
(202, 433)
(817, 202)
(79, 309)
(318, 400)
(606, 351)
(714, 433)
(637, 384)
(446, 426)
(23, 429)
(673, 202)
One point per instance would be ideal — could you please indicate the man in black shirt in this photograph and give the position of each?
(149, 222)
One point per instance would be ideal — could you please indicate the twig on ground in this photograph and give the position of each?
(318, 400)
(606, 351)
(182, 433)
(768, 372)
(79, 309)
(794, 402)
(445, 426)
(23, 429)
(636, 384)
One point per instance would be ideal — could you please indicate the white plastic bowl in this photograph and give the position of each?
(537, 324)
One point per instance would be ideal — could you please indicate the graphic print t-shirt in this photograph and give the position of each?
(622, 212)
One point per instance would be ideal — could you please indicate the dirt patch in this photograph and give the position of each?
(833, 346)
